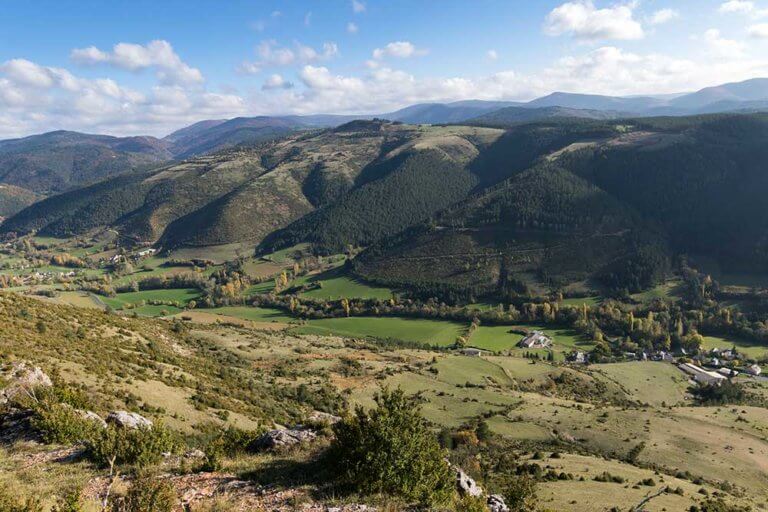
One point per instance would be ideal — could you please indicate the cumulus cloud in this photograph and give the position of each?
(358, 6)
(758, 31)
(723, 47)
(158, 55)
(743, 7)
(272, 55)
(352, 28)
(276, 81)
(584, 21)
(664, 16)
(399, 49)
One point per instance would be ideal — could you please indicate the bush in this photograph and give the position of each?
(147, 494)
(60, 423)
(471, 504)
(140, 447)
(391, 450)
(69, 503)
(519, 492)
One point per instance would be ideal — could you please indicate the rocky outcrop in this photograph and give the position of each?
(467, 486)
(496, 503)
(92, 416)
(127, 419)
(282, 438)
(22, 379)
(323, 417)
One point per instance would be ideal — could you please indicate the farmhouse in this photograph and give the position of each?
(536, 339)
(701, 375)
(472, 352)
(578, 357)
(147, 252)
(753, 370)
(727, 372)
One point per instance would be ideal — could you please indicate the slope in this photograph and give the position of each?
(57, 161)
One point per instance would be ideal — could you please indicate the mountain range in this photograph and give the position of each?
(57, 161)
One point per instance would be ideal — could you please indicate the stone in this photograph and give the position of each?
(127, 419)
(92, 416)
(323, 417)
(285, 437)
(466, 485)
(195, 454)
(22, 380)
(496, 503)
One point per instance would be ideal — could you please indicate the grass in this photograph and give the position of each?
(669, 290)
(752, 349)
(432, 332)
(648, 382)
(251, 313)
(502, 337)
(181, 295)
(336, 284)
(594, 300)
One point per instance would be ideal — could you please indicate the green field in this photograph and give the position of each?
(335, 284)
(752, 349)
(648, 381)
(578, 301)
(669, 290)
(432, 332)
(502, 337)
(181, 295)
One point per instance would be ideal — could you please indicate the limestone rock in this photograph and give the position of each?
(23, 379)
(496, 503)
(127, 419)
(285, 437)
(92, 416)
(466, 485)
(323, 417)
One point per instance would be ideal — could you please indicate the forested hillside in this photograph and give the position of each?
(469, 210)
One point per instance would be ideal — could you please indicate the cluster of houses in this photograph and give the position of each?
(117, 258)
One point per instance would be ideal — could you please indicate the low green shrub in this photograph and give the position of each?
(390, 450)
(139, 447)
(147, 494)
(60, 423)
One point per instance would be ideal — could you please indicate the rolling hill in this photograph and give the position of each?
(14, 199)
(56, 161)
(469, 209)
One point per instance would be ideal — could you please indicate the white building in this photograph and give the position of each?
(536, 339)
(701, 375)
(754, 370)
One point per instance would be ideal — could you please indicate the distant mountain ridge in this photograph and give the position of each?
(54, 162)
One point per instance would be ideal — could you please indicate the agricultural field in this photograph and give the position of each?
(336, 284)
(669, 290)
(137, 301)
(427, 331)
(499, 338)
(752, 349)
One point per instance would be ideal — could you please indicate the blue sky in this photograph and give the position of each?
(144, 67)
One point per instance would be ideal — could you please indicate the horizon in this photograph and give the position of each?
(115, 70)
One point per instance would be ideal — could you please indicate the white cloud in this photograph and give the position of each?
(492, 55)
(157, 54)
(737, 6)
(664, 16)
(723, 47)
(743, 7)
(584, 21)
(758, 31)
(352, 28)
(358, 6)
(272, 55)
(399, 49)
(276, 81)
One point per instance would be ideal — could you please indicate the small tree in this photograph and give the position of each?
(390, 450)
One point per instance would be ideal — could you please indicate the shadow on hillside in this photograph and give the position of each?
(286, 471)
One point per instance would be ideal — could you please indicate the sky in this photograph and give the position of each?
(148, 67)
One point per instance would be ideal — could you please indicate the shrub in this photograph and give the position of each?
(60, 423)
(471, 504)
(140, 447)
(147, 494)
(391, 450)
(71, 502)
(519, 492)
